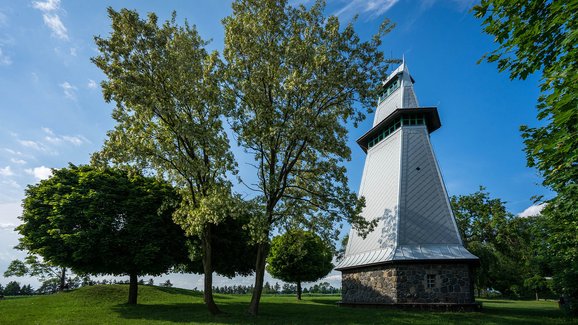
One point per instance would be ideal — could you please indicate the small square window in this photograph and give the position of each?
(431, 280)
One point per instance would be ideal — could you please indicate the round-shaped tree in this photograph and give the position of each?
(299, 256)
(103, 221)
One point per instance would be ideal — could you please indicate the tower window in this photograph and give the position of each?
(431, 280)
(405, 120)
(391, 87)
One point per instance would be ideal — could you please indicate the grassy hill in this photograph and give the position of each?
(106, 305)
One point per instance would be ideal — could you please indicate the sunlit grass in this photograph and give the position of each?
(105, 304)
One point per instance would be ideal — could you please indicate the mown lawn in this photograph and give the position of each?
(106, 305)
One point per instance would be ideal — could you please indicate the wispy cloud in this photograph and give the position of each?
(531, 211)
(40, 173)
(6, 171)
(69, 90)
(4, 59)
(370, 8)
(92, 84)
(52, 138)
(3, 19)
(7, 226)
(32, 145)
(18, 161)
(55, 24)
(51, 18)
(47, 6)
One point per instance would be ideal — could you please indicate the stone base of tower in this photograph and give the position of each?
(415, 285)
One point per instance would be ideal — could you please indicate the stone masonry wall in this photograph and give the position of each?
(376, 284)
(408, 283)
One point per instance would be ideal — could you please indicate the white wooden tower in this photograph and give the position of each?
(416, 249)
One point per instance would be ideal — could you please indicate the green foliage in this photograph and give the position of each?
(169, 109)
(541, 36)
(501, 241)
(47, 273)
(299, 256)
(231, 241)
(12, 289)
(297, 78)
(102, 221)
(559, 244)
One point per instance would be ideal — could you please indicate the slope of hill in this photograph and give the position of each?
(106, 304)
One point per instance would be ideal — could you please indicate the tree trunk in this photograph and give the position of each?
(208, 270)
(62, 279)
(133, 289)
(298, 290)
(262, 249)
(537, 296)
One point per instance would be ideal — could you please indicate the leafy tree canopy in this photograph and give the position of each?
(297, 78)
(541, 36)
(103, 221)
(169, 108)
(299, 256)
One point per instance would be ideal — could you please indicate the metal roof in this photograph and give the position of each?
(404, 191)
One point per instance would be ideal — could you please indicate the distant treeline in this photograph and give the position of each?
(286, 288)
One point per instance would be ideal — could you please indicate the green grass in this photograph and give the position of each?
(106, 305)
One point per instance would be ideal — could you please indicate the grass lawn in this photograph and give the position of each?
(106, 305)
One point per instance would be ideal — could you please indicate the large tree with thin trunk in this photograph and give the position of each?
(103, 221)
(299, 256)
(297, 78)
(167, 91)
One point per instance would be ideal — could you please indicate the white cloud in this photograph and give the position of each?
(4, 59)
(69, 90)
(18, 161)
(91, 84)
(10, 183)
(32, 145)
(52, 138)
(372, 8)
(49, 5)
(51, 19)
(531, 211)
(7, 226)
(40, 173)
(73, 51)
(6, 171)
(55, 24)
(13, 152)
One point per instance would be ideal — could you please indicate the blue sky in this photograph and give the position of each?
(52, 111)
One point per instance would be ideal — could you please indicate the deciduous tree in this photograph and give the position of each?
(167, 91)
(537, 36)
(103, 221)
(33, 266)
(297, 78)
(299, 256)
(498, 238)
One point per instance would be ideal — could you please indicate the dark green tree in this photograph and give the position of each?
(537, 36)
(169, 110)
(297, 78)
(103, 221)
(537, 284)
(12, 289)
(500, 240)
(299, 256)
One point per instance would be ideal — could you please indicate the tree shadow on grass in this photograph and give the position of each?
(320, 311)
